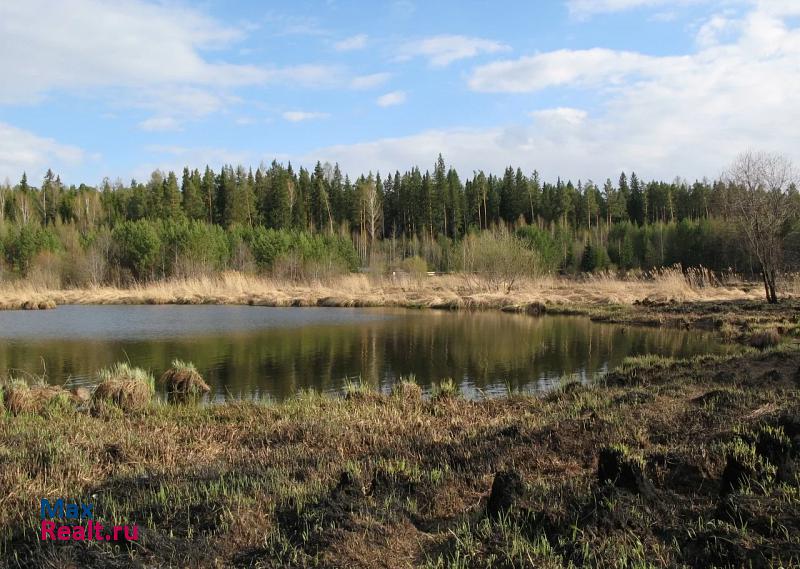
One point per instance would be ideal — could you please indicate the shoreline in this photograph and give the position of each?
(734, 310)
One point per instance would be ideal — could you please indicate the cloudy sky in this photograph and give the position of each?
(576, 88)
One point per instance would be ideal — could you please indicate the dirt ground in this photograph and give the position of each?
(664, 464)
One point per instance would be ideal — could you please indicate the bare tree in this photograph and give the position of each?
(5, 192)
(498, 259)
(370, 210)
(759, 183)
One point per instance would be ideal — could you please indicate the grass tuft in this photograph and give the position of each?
(765, 339)
(183, 382)
(125, 387)
(445, 390)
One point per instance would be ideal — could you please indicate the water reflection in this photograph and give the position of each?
(246, 351)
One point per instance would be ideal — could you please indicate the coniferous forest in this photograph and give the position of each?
(312, 223)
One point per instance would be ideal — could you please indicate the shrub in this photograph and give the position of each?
(23, 243)
(543, 244)
(193, 248)
(299, 254)
(415, 266)
(500, 258)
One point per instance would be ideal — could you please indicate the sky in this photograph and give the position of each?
(581, 89)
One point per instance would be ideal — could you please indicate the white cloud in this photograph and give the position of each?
(661, 116)
(299, 116)
(391, 99)
(557, 68)
(779, 7)
(127, 43)
(132, 53)
(560, 115)
(370, 81)
(160, 124)
(352, 43)
(445, 49)
(185, 101)
(21, 150)
(710, 33)
(307, 75)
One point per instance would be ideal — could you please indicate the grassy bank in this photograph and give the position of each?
(668, 464)
(449, 291)
(664, 298)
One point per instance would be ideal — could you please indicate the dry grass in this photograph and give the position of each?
(125, 387)
(448, 291)
(19, 397)
(375, 482)
(408, 390)
(183, 382)
(765, 339)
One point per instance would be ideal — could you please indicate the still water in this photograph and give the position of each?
(245, 351)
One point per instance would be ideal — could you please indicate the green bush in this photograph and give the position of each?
(306, 252)
(595, 258)
(544, 244)
(192, 247)
(137, 247)
(24, 242)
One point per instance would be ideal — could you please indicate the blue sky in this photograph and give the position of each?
(576, 88)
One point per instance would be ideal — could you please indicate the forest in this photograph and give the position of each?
(315, 223)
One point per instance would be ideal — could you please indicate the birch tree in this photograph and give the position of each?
(759, 183)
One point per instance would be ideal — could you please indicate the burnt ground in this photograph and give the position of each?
(667, 464)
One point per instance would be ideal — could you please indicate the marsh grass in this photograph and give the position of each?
(183, 382)
(322, 480)
(126, 387)
(447, 291)
(445, 390)
(19, 396)
(407, 389)
(765, 339)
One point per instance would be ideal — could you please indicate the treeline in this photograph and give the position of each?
(314, 222)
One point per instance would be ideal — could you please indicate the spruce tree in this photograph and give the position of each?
(191, 198)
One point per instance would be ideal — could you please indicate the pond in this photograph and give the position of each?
(247, 351)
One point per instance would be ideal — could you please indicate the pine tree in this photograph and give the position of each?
(439, 199)
(507, 209)
(534, 196)
(336, 195)
(521, 195)
(455, 197)
(276, 208)
(155, 195)
(321, 211)
(223, 198)
(191, 197)
(208, 189)
(171, 198)
(636, 205)
(49, 198)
